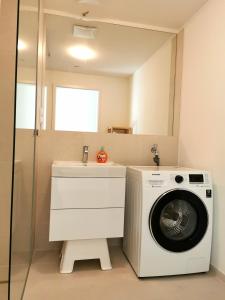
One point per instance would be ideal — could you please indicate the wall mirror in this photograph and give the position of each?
(102, 77)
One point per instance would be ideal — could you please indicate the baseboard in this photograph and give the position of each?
(218, 273)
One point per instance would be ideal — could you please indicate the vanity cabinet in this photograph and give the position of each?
(87, 208)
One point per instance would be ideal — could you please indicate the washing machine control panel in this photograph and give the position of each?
(178, 179)
(192, 179)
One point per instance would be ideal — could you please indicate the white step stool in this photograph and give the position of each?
(84, 249)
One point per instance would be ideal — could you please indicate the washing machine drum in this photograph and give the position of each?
(178, 220)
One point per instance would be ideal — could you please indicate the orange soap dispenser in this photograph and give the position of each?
(102, 156)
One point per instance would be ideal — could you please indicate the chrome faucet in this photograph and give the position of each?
(85, 154)
(155, 152)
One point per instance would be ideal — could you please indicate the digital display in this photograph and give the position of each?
(196, 178)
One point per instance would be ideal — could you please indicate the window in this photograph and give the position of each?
(25, 105)
(76, 109)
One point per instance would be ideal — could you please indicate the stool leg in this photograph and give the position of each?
(104, 256)
(67, 260)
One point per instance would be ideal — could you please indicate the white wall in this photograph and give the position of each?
(202, 125)
(150, 93)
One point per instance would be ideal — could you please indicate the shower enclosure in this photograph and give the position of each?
(18, 69)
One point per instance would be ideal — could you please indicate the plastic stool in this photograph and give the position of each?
(84, 249)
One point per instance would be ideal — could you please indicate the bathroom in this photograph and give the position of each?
(155, 73)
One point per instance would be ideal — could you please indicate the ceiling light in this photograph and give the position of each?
(82, 52)
(21, 45)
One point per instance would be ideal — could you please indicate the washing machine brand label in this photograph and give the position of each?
(156, 182)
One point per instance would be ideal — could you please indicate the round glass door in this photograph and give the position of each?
(178, 220)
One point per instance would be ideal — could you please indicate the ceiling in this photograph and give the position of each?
(120, 50)
(164, 13)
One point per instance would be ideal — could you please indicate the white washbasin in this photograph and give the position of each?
(90, 169)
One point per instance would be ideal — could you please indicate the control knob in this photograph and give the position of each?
(179, 179)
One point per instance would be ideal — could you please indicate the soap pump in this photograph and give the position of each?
(102, 156)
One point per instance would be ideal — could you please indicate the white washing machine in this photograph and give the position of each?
(168, 221)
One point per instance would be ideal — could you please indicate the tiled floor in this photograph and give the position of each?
(19, 269)
(88, 282)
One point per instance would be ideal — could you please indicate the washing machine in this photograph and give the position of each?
(168, 220)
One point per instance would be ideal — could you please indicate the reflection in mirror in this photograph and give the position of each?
(76, 109)
(132, 69)
(21, 244)
(25, 105)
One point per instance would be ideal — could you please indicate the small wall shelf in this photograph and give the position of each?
(120, 130)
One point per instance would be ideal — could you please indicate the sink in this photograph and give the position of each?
(90, 169)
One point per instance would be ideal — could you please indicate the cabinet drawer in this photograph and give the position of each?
(72, 224)
(87, 192)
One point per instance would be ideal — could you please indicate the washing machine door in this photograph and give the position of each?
(178, 220)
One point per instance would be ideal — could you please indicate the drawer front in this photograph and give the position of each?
(87, 192)
(72, 224)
